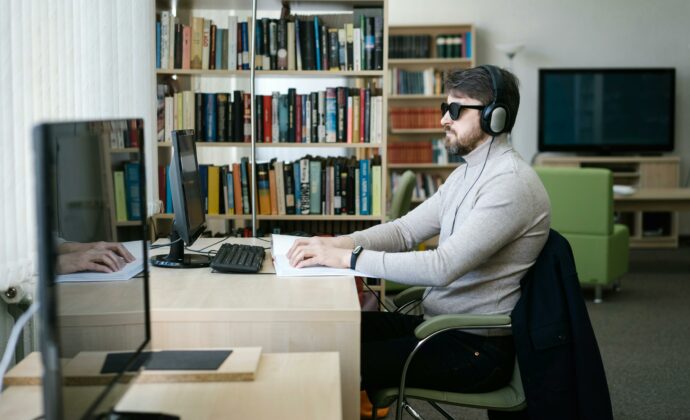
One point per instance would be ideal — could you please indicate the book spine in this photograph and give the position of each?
(244, 180)
(245, 45)
(263, 185)
(331, 115)
(291, 45)
(364, 189)
(132, 188)
(282, 45)
(291, 111)
(206, 44)
(199, 114)
(317, 49)
(237, 188)
(120, 196)
(178, 45)
(273, 190)
(333, 56)
(165, 39)
(158, 45)
(232, 42)
(210, 120)
(305, 186)
(247, 102)
(197, 42)
(289, 184)
(230, 209)
(213, 189)
(315, 186)
(222, 116)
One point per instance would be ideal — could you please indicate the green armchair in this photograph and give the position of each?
(509, 398)
(582, 211)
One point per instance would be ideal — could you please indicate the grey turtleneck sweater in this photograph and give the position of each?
(492, 225)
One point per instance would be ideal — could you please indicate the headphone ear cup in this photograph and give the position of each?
(485, 120)
(498, 119)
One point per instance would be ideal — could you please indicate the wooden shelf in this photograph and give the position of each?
(283, 145)
(438, 131)
(125, 150)
(429, 61)
(128, 223)
(422, 165)
(419, 97)
(347, 217)
(246, 73)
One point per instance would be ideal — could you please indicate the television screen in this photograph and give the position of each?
(606, 110)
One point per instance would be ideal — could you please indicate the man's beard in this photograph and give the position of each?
(456, 148)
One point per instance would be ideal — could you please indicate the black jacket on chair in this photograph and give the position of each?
(560, 364)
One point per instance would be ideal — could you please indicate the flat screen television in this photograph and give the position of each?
(604, 111)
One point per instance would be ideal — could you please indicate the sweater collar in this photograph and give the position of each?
(477, 156)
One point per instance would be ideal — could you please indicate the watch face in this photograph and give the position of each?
(357, 250)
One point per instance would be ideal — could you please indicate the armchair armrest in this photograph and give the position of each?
(460, 321)
(408, 296)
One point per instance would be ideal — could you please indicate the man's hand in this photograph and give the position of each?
(100, 260)
(319, 251)
(115, 247)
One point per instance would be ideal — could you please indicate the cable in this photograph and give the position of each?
(378, 298)
(14, 337)
(164, 245)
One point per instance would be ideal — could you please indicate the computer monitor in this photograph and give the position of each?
(185, 188)
(80, 169)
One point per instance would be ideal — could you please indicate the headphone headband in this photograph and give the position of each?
(495, 117)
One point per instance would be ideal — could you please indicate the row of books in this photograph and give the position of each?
(426, 184)
(351, 41)
(414, 118)
(310, 185)
(339, 114)
(454, 45)
(120, 133)
(426, 82)
(409, 46)
(127, 183)
(420, 152)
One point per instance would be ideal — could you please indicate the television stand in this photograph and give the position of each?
(648, 229)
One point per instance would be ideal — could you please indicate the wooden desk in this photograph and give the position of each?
(196, 308)
(654, 199)
(292, 386)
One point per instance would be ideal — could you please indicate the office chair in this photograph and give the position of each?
(509, 398)
(582, 211)
(400, 205)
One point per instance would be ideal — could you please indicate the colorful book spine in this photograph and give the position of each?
(132, 190)
(120, 196)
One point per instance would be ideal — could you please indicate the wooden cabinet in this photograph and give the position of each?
(658, 229)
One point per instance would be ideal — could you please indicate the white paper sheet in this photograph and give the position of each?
(281, 244)
(128, 271)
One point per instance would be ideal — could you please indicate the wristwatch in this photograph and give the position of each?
(355, 253)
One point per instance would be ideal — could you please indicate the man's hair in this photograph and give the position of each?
(476, 83)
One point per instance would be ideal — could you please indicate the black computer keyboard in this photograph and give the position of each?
(233, 258)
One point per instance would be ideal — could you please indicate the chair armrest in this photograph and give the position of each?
(409, 295)
(461, 321)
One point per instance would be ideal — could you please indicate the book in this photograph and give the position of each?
(305, 186)
(132, 186)
(232, 43)
(263, 186)
(197, 42)
(315, 186)
(213, 189)
(186, 46)
(120, 196)
(205, 44)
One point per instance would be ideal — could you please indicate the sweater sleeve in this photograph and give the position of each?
(406, 232)
(499, 215)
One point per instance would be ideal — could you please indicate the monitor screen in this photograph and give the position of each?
(606, 110)
(93, 281)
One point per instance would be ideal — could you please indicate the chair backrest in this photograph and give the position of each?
(402, 196)
(581, 199)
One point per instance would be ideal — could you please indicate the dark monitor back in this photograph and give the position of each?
(90, 187)
(185, 187)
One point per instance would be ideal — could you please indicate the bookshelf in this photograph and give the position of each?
(418, 58)
(263, 82)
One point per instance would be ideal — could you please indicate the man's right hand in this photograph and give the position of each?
(99, 260)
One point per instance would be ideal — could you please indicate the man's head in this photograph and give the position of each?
(474, 87)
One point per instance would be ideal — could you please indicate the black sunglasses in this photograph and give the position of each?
(455, 108)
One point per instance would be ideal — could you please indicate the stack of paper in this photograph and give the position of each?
(281, 245)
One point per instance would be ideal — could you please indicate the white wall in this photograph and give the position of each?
(583, 33)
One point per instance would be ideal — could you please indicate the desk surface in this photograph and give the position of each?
(287, 386)
(654, 199)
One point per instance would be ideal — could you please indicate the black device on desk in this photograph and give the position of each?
(76, 163)
(185, 188)
(234, 258)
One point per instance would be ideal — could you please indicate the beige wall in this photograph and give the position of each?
(583, 33)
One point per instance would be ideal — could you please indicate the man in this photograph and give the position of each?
(104, 257)
(493, 217)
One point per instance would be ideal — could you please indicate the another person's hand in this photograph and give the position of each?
(115, 247)
(100, 260)
(318, 251)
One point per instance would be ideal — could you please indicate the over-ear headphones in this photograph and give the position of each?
(495, 116)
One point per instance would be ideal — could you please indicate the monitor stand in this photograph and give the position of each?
(132, 415)
(176, 258)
